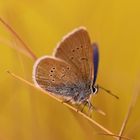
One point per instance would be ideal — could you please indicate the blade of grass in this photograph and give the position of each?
(129, 112)
(13, 45)
(64, 103)
(134, 129)
(122, 137)
(14, 33)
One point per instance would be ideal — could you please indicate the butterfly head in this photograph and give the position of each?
(94, 89)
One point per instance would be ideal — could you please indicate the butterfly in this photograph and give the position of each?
(71, 73)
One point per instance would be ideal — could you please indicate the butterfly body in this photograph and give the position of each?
(69, 74)
(76, 93)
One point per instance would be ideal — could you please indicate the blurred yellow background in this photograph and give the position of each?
(26, 114)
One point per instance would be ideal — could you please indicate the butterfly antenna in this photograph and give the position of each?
(108, 91)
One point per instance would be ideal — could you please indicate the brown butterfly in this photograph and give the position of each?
(71, 73)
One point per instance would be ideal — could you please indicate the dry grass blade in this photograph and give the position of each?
(13, 45)
(66, 104)
(6, 42)
(13, 32)
(130, 108)
(122, 137)
(134, 129)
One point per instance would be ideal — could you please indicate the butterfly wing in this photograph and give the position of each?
(77, 51)
(55, 76)
(95, 61)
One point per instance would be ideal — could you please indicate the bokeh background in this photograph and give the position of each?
(26, 114)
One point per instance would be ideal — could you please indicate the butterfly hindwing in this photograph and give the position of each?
(54, 75)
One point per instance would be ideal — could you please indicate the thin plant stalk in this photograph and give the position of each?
(64, 103)
(129, 112)
(122, 137)
(14, 33)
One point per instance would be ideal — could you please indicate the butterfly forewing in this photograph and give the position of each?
(54, 75)
(76, 50)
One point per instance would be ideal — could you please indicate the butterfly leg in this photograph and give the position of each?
(70, 99)
(67, 100)
(78, 106)
(91, 107)
(84, 104)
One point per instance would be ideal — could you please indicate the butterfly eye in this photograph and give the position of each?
(94, 89)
